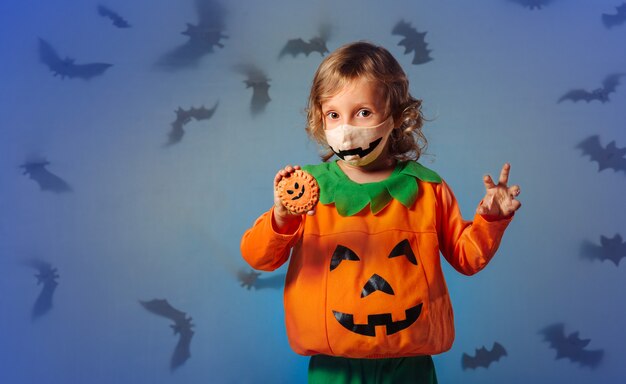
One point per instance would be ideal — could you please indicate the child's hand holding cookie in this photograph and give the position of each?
(295, 193)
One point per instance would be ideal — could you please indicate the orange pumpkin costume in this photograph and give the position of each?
(365, 279)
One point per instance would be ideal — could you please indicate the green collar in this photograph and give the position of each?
(351, 197)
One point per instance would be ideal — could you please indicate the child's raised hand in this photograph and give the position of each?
(499, 200)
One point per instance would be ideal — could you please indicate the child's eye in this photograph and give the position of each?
(332, 115)
(364, 113)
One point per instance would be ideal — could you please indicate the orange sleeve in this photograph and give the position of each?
(468, 246)
(263, 247)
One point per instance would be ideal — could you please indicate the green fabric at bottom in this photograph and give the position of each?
(340, 370)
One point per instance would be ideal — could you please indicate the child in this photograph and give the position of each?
(365, 294)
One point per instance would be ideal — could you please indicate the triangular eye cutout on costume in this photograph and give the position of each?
(342, 253)
(403, 248)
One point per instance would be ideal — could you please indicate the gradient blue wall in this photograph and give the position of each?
(145, 221)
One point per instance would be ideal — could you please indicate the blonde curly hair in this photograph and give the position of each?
(375, 63)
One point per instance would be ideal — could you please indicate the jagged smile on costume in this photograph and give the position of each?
(357, 151)
(369, 329)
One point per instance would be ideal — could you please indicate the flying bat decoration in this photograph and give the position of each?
(532, 4)
(251, 279)
(601, 94)
(612, 249)
(117, 20)
(618, 18)
(412, 41)
(67, 67)
(184, 116)
(202, 37)
(609, 157)
(258, 81)
(571, 346)
(483, 357)
(46, 277)
(46, 180)
(182, 327)
(248, 279)
(294, 47)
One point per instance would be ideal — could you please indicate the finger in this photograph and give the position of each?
(488, 182)
(282, 173)
(285, 172)
(277, 178)
(514, 206)
(514, 191)
(504, 174)
(292, 169)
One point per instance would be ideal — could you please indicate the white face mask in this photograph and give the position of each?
(359, 145)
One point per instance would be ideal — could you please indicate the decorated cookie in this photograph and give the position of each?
(298, 192)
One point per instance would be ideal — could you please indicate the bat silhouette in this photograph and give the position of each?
(248, 279)
(601, 94)
(483, 357)
(613, 249)
(258, 81)
(182, 327)
(184, 116)
(66, 67)
(413, 41)
(251, 279)
(618, 18)
(117, 20)
(532, 4)
(609, 157)
(46, 276)
(571, 346)
(202, 37)
(46, 180)
(294, 47)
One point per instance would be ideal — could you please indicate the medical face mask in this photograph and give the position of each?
(359, 145)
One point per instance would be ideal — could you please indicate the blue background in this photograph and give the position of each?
(145, 221)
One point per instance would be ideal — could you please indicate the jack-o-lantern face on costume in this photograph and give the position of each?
(298, 192)
(378, 284)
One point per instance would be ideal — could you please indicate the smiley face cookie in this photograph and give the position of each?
(298, 192)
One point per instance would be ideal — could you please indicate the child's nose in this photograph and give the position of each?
(348, 121)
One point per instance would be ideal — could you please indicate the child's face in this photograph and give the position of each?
(360, 103)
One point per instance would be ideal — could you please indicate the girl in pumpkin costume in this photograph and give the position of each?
(365, 294)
